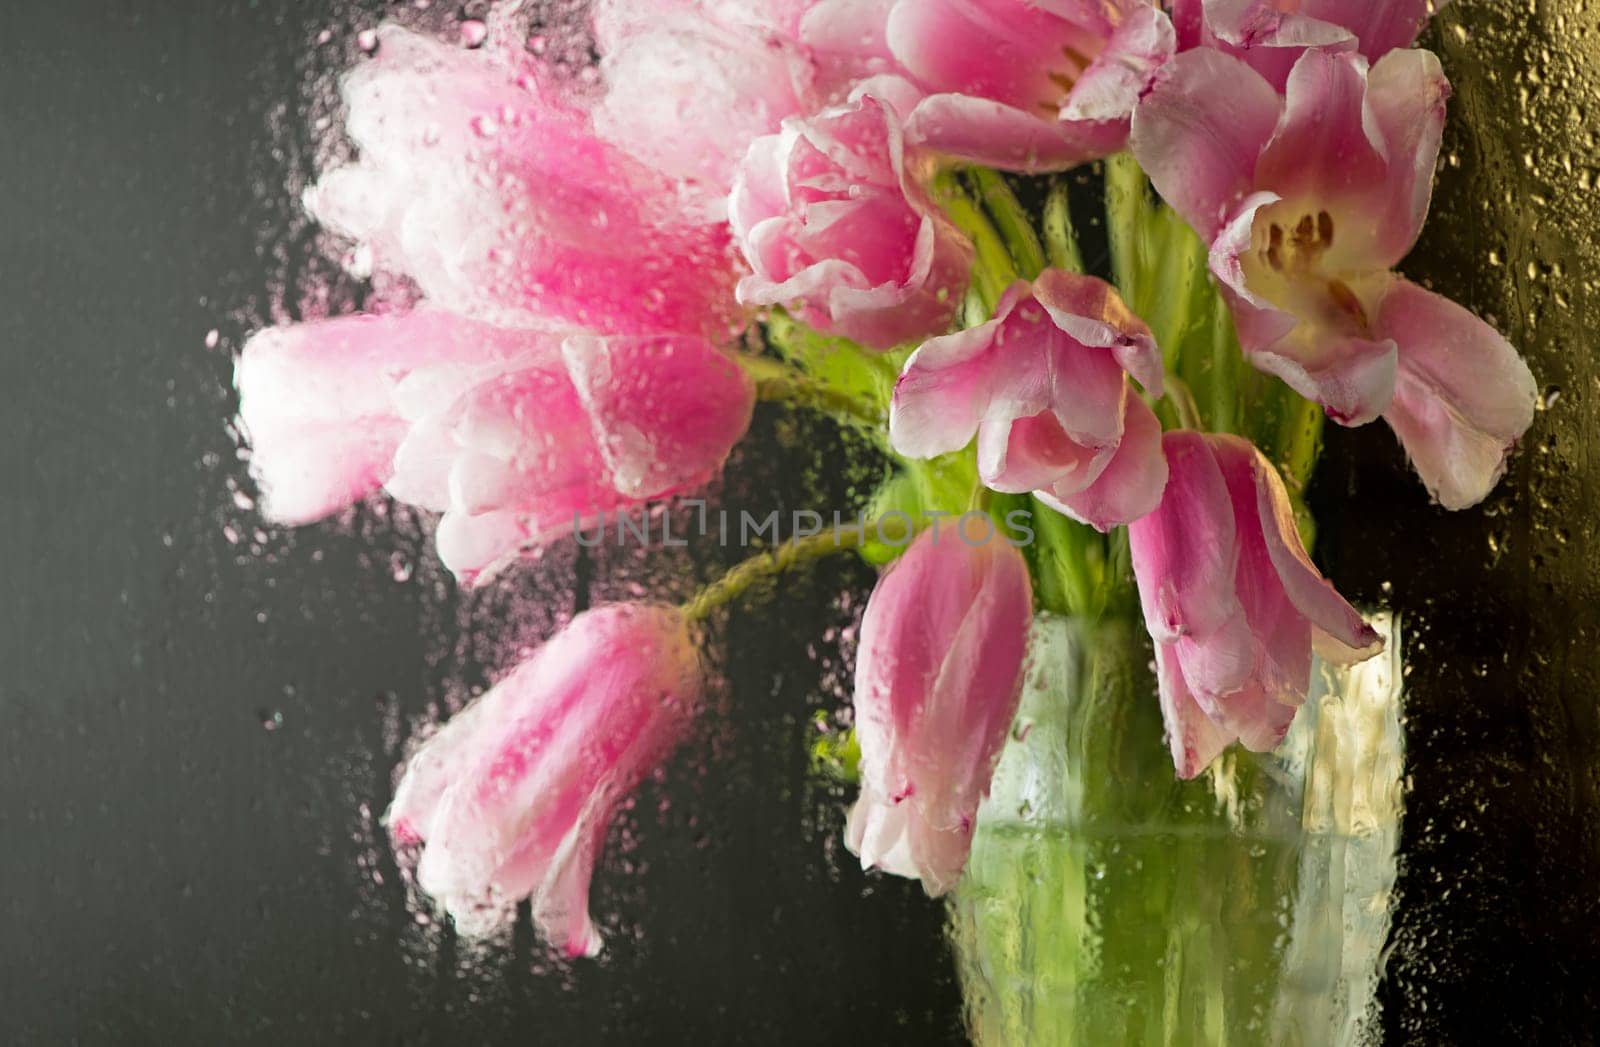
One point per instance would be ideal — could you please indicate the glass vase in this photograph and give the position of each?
(1108, 903)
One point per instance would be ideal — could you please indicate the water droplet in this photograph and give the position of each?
(367, 40)
(473, 33)
(271, 720)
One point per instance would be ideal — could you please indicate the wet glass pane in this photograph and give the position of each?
(289, 753)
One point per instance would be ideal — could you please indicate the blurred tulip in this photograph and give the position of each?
(938, 678)
(512, 798)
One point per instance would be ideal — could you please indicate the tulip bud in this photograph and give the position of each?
(938, 677)
(512, 798)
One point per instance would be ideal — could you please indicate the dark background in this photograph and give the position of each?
(198, 723)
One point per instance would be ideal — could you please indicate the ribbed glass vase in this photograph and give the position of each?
(1107, 903)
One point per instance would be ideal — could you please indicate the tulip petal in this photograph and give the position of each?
(1340, 633)
(1201, 156)
(1463, 398)
(1326, 147)
(1110, 88)
(1093, 314)
(991, 133)
(941, 395)
(1406, 94)
(1131, 484)
(1185, 553)
(1191, 735)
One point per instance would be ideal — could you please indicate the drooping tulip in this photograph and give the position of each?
(512, 798)
(835, 224)
(477, 180)
(1308, 200)
(1233, 602)
(318, 400)
(938, 678)
(1043, 387)
(512, 435)
(1271, 36)
(1027, 86)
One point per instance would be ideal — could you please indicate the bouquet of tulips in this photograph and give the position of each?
(872, 209)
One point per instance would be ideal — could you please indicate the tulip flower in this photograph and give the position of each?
(318, 401)
(512, 435)
(1043, 387)
(512, 798)
(1027, 86)
(1233, 602)
(477, 181)
(1271, 36)
(938, 678)
(835, 225)
(1308, 200)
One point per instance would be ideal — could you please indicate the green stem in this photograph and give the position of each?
(1183, 401)
(1060, 240)
(993, 270)
(765, 566)
(1010, 220)
(777, 382)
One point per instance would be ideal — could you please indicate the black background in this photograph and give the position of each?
(199, 725)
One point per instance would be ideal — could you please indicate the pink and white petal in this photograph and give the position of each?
(1326, 150)
(1131, 484)
(1464, 396)
(1185, 553)
(436, 765)
(561, 900)
(474, 548)
(848, 40)
(1110, 88)
(317, 470)
(664, 411)
(878, 831)
(983, 131)
(1218, 663)
(999, 49)
(1379, 25)
(1340, 633)
(1092, 313)
(1016, 455)
(1263, 23)
(1254, 717)
(1199, 131)
(1352, 378)
(1233, 242)
(1191, 735)
(943, 392)
(1406, 93)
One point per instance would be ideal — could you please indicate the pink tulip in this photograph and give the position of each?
(1023, 85)
(835, 225)
(1309, 199)
(691, 83)
(512, 435)
(1271, 35)
(318, 400)
(513, 797)
(1233, 602)
(1043, 387)
(478, 182)
(938, 678)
